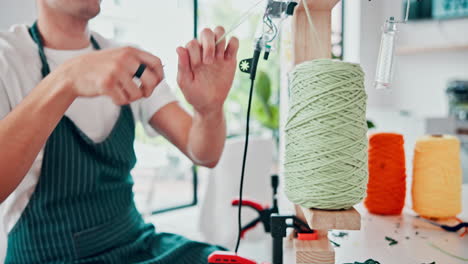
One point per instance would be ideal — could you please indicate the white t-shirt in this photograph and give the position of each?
(20, 72)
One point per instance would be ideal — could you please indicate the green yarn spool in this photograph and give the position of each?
(326, 135)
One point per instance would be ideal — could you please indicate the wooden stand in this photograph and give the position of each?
(321, 251)
(306, 47)
(326, 220)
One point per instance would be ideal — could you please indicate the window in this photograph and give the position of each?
(226, 13)
(163, 176)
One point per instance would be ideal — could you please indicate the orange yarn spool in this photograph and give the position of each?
(386, 189)
(437, 177)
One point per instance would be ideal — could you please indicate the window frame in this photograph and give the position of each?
(194, 201)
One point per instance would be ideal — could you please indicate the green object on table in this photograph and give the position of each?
(340, 234)
(369, 261)
(391, 240)
(335, 244)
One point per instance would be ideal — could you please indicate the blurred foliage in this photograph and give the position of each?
(263, 87)
(264, 111)
(143, 137)
(265, 108)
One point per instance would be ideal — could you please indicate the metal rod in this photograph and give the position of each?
(195, 19)
(277, 250)
(240, 21)
(408, 6)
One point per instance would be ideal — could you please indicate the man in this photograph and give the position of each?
(68, 105)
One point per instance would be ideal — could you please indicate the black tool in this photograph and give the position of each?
(264, 212)
(279, 225)
(141, 69)
(445, 227)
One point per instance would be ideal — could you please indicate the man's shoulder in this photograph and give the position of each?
(15, 45)
(105, 42)
(15, 38)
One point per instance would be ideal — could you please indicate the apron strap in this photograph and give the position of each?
(36, 36)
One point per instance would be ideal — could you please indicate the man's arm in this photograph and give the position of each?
(206, 73)
(25, 130)
(201, 137)
(23, 134)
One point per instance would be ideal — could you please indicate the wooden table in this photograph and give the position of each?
(361, 245)
(412, 234)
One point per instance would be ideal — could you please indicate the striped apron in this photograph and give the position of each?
(82, 210)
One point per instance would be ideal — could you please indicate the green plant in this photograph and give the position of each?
(266, 112)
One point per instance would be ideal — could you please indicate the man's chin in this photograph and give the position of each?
(90, 12)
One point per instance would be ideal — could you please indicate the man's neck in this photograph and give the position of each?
(63, 32)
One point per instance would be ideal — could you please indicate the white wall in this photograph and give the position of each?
(372, 19)
(420, 78)
(16, 12)
(352, 31)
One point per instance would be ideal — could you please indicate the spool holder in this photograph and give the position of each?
(321, 251)
(304, 49)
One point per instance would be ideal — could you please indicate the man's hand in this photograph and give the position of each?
(110, 72)
(206, 70)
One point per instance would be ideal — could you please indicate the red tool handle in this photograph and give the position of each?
(245, 230)
(222, 257)
(249, 203)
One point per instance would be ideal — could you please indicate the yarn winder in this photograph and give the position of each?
(309, 44)
(304, 49)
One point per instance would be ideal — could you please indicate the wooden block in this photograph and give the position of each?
(306, 43)
(314, 252)
(326, 220)
(305, 48)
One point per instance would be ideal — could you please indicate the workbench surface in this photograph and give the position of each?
(358, 245)
(413, 235)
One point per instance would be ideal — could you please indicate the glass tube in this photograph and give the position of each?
(384, 73)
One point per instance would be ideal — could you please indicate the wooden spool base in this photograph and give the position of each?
(315, 251)
(305, 48)
(321, 251)
(326, 220)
